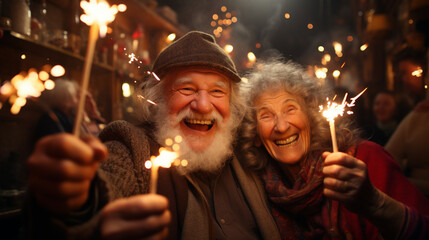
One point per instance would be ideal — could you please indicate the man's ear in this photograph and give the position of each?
(257, 142)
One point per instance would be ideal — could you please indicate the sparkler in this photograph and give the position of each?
(334, 110)
(165, 159)
(97, 15)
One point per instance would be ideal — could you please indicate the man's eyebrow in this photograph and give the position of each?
(182, 80)
(221, 84)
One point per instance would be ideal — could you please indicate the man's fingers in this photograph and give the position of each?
(59, 190)
(61, 169)
(137, 228)
(138, 206)
(65, 145)
(100, 150)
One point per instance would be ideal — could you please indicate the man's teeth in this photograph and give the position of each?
(200, 122)
(287, 141)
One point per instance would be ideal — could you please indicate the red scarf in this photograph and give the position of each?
(301, 211)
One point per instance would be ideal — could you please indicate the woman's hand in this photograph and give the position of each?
(346, 180)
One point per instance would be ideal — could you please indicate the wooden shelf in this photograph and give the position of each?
(25, 43)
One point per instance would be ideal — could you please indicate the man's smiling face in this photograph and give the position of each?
(201, 98)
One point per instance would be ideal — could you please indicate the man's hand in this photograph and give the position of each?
(61, 169)
(136, 217)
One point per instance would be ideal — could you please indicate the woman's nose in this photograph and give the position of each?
(202, 103)
(281, 124)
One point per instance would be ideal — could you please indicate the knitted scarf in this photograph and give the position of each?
(301, 211)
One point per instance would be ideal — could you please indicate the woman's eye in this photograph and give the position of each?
(265, 116)
(186, 91)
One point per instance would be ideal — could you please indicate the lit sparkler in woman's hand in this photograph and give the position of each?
(97, 15)
(334, 110)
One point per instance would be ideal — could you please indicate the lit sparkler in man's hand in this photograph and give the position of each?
(97, 15)
(334, 110)
(165, 159)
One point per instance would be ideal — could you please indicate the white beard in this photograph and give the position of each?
(211, 158)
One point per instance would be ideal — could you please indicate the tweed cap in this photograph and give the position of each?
(195, 49)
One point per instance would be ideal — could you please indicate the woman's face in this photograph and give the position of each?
(283, 126)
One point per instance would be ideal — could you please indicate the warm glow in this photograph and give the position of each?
(258, 45)
(223, 9)
(171, 37)
(320, 48)
(417, 73)
(244, 79)
(228, 48)
(168, 142)
(364, 47)
(178, 139)
(228, 15)
(338, 48)
(349, 38)
(122, 7)
(100, 13)
(43, 75)
(251, 56)
(310, 26)
(336, 74)
(58, 71)
(327, 57)
(23, 56)
(287, 15)
(320, 72)
(126, 90)
(234, 19)
(49, 84)
(215, 17)
(410, 21)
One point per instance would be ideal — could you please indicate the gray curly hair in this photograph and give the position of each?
(277, 74)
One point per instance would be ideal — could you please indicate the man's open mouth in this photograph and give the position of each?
(199, 125)
(287, 142)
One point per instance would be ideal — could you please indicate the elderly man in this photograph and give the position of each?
(212, 197)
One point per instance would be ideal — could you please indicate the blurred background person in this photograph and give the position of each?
(409, 145)
(61, 104)
(384, 120)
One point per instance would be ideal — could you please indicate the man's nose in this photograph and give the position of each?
(202, 103)
(281, 124)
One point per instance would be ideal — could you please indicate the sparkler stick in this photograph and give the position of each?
(97, 15)
(334, 110)
(164, 159)
(93, 33)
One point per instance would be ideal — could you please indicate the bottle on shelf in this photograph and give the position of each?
(21, 16)
(39, 11)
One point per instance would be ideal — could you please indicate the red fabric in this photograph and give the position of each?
(335, 220)
(385, 174)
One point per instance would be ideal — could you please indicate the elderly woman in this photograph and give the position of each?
(315, 194)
